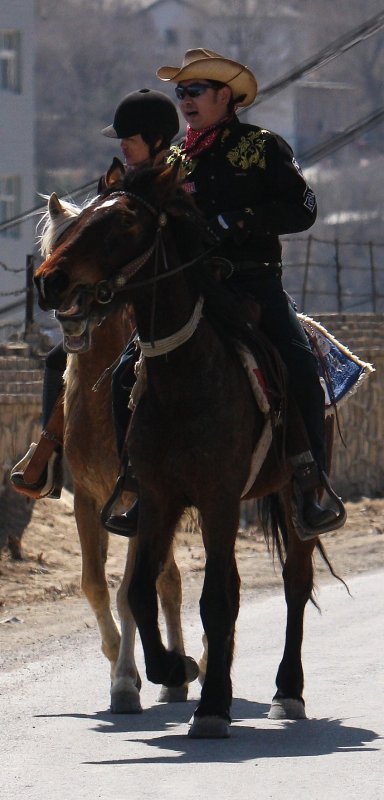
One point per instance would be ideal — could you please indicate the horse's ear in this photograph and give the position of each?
(55, 209)
(113, 176)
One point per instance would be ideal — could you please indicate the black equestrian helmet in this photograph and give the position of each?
(144, 112)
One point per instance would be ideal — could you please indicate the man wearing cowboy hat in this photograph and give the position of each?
(250, 189)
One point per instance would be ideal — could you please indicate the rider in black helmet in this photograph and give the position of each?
(145, 121)
(148, 121)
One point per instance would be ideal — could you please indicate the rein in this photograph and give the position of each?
(104, 291)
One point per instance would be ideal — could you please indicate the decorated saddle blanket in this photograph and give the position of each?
(341, 373)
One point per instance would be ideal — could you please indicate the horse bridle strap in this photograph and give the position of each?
(161, 347)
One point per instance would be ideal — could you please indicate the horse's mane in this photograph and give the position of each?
(52, 229)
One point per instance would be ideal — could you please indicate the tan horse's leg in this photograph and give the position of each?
(126, 682)
(168, 587)
(93, 541)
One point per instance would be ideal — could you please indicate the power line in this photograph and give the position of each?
(324, 56)
(33, 212)
(320, 151)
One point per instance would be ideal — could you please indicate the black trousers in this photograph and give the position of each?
(280, 323)
(55, 364)
(123, 378)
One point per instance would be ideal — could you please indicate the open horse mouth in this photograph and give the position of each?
(74, 323)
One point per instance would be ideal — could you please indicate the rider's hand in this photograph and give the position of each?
(221, 227)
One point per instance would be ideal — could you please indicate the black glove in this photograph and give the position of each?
(224, 225)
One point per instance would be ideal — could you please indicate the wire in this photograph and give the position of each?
(33, 212)
(320, 151)
(331, 51)
(324, 56)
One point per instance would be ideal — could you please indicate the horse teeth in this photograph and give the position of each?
(70, 312)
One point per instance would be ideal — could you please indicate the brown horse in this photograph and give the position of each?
(194, 428)
(90, 450)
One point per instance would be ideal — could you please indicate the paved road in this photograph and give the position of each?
(58, 741)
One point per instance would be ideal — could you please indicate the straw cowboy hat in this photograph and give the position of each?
(207, 65)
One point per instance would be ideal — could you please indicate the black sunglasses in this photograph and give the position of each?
(194, 89)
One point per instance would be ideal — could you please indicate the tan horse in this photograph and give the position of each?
(90, 449)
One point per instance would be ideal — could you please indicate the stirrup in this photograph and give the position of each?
(50, 483)
(124, 524)
(105, 512)
(304, 531)
(126, 482)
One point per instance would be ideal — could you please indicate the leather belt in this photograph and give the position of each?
(259, 268)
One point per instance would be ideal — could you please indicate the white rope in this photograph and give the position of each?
(169, 343)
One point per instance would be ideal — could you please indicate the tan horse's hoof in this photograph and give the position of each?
(125, 698)
(209, 727)
(173, 694)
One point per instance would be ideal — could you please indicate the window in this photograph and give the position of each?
(10, 67)
(171, 36)
(10, 203)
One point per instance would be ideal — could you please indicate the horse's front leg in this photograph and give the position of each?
(170, 593)
(288, 702)
(93, 541)
(219, 608)
(155, 534)
(126, 682)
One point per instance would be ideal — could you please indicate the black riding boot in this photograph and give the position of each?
(39, 473)
(124, 524)
(314, 519)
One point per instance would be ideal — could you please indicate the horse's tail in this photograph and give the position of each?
(274, 527)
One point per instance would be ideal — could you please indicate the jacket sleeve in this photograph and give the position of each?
(289, 204)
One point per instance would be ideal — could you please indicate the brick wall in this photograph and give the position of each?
(358, 469)
(21, 386)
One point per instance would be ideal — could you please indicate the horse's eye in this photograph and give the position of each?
(104, 293)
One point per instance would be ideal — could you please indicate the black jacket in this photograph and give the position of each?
(251, 174)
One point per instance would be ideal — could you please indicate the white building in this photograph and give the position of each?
(17, 188)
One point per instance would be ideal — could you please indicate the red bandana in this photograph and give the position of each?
(198, 141)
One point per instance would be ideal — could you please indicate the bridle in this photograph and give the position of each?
(105, 290)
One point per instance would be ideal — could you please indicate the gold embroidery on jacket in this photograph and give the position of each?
(249, 152)
(186, 165)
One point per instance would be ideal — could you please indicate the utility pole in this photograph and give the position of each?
(30, 265)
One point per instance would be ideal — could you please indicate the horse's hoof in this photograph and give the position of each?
(191, 669)
(209, 727)
(173, 694)
(125, 699)
(121, 703)
(287, 708)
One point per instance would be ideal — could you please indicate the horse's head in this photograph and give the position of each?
(116, 236)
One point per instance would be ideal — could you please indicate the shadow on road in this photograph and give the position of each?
(261, 740)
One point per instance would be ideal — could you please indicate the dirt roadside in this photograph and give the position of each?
(40, 596)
